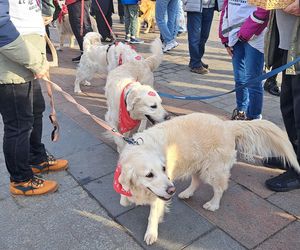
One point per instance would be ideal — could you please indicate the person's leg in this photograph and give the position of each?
(172, 16)
(121, 11)
(194, 20)
(133, 13)
(254, 63)
(127, 21)
(102, 26)
(161, 12)
(238, 62)
(16, 111)
(37, 149)
(207, 17)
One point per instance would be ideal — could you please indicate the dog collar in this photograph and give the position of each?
(117, 185)
(126, 123)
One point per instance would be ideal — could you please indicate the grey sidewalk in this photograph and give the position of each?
(85, 213)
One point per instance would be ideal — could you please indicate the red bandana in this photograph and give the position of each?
(117, 185)
(126, 123)
(63, 12)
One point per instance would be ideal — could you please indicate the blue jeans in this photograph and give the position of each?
(166, 15)
(198, 27)
(22, 107)
(248, 63)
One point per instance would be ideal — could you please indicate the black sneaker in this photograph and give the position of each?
(76, 59)
(271, 86)
(287, 181)
(135, 40)
(127, 38)
(238, 115)
(275, 162)
(204, 65)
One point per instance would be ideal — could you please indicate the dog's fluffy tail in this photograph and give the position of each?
(157, 55)
(264, 138)
(90, 39)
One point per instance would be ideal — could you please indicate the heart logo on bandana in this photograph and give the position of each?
(151, 93)
(138, 58)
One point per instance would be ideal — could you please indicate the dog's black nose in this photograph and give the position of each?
(167, 117)
(171, 190)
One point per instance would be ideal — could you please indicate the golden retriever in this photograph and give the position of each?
(142, 101)
(198, 145)
(147, 14)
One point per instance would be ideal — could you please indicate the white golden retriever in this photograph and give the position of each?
(139, 101)
(198, 145)
(99, 58)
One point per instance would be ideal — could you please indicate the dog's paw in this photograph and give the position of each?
(211, 206)
(150, 237)
(184, 195)
(87, 83)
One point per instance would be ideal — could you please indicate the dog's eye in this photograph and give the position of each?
(153, 106)
(164, 168)
(150, 175)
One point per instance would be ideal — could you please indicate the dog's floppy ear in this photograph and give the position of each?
(132, 99)
(125, 178)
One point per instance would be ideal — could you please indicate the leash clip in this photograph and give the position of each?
(132, 141)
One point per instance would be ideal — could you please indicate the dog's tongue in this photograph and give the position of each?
(117, 185)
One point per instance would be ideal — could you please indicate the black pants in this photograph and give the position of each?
(101, 24)
(74, 18)
(120, 8)
(22, 107)
(290, 107)
(278, 57)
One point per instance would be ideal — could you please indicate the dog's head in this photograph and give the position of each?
(90, 39)
(144, 170)
(143, 101)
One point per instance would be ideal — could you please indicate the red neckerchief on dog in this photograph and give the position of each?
(126, 123)
(64, 11)
(117, 185)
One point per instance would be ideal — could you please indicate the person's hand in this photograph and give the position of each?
(47, 20)
(44, 72)
(229, 51)
(293, 9)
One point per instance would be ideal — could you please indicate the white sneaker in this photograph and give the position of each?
(169, 46)
(175, 44)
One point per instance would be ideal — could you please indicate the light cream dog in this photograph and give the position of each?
(142, 101)
(99, 58)
(198, 145)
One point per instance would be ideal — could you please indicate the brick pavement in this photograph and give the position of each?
(85, 212)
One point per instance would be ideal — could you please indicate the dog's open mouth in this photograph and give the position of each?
(150, 119)
(160, 197)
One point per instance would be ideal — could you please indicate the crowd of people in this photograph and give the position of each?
(243, 32)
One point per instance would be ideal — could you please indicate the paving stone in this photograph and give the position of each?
(253, 177)
(215, 240)
(287, 239)
(72, 139)
(243, 215)
(102, 189)
(92, 163)
(180, 227)
(288, 201)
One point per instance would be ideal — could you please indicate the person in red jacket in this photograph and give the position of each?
(80, 22)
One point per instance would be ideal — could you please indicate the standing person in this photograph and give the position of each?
(241, 30)
(288, 23)
(199, 18)
(166, 15)
(76, 16)
(22, 59)
(107, 9)
(131, 12)
(121, 11)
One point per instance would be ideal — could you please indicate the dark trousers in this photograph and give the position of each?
(101, 24)
(21, 108)
(74, 18)
(120, 8)
(290, 107)
(278, 57)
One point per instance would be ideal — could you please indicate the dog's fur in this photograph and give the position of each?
(139, 103)
(147, 14)
(198, 145)
(99, 58)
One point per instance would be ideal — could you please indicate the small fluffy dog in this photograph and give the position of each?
(131, 99)
(147, 14)
(198, 145)
(99, 58)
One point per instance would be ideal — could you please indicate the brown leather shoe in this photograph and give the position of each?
(201, 70)
(35, 186)
(51, 164)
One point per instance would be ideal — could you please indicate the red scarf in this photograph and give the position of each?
(126, 123)
(117, 185)
(64, 11)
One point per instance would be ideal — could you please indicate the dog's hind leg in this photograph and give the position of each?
(61, 42)
(187, 193)
(156, 213)
(219, 184)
